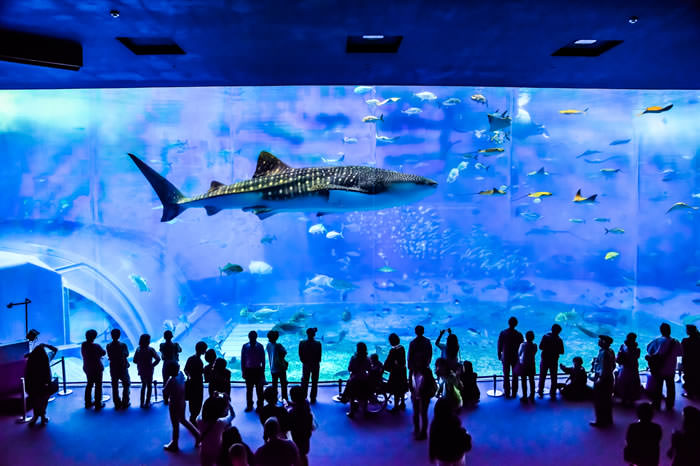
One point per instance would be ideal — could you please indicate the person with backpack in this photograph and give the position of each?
(449, 441)
(662, 356)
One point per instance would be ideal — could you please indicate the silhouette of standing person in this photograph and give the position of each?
(509, 342)
(276, 354)
(301, 422)
(603, 383)
(526, 365)
(551, 347)
(117, 352)
(92, 354)
(691, 362)
(170, 353)
(194, 385)
(421, 381)
(662, 356)
(253, 368)
(628, 386)
(395, 364)
(310, 357)
(220, 378)
(420, 352)
(643, 438)
(210, 358)
(174, 391)
(37, 376)
(449, 441)
(146, 359)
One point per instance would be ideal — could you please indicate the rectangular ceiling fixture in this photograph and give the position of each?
(32, 49)
(151, 45)
(586, 48)
(373, 43)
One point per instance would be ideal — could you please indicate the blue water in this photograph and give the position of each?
(71, 197)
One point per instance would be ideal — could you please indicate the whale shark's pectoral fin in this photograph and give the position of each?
(261, 211)
(215, 185)
(211, 210)
(268, 164)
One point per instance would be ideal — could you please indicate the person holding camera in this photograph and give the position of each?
(253, 368)
(276, 354)
(217, 414)
(310, 357)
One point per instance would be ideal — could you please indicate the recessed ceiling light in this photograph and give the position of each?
(586, 48)
(373, 43)
(114, 13)
(633, 19)
(585, 41)
(373, 36)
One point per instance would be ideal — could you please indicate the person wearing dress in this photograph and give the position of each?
(603, 383)
(628, 386)
(395, 364)
(146, 359)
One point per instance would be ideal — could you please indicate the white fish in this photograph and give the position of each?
(259, 268)
(314, 291)
(334, 234)
(264, 312)
(349, 140)
(479, 133)
(362, 89)
(451, 101)
(387, 138)
(412, 111)
(425, 95)
(340, 158)
(320, 280)
(696, 195)
(462, 166)
(318, 229)
(453, 175)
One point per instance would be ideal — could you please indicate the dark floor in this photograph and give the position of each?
(504, 433)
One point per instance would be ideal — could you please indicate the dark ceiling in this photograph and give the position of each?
(281, 42)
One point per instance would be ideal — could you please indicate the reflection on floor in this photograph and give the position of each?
(504, 433)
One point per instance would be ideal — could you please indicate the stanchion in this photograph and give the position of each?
(337, 398)
(494, 392)
(24, 419)
(65, 391)
(154, 398)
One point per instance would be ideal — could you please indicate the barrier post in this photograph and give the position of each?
(155, 399)
(337, 398)
(65, 391)
(24, 419)
(495, 393)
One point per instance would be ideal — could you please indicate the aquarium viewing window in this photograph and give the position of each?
(580, 207)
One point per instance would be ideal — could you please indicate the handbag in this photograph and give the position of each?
(52, 387)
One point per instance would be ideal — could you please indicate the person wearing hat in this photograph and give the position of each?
(603, 383)
(310, 357)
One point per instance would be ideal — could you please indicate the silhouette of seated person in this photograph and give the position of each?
(376, 374)
(220, 378)
(449, 385)
(271, 409)
(576, 388)
(685, 446)
(470, 389)
(357, 389)
(276, 451)
(643, 438)
(230, 438)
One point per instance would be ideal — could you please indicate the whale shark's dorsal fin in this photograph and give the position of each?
(215, 185)
(268, 164)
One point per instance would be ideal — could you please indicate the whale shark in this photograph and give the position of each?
(276, 187)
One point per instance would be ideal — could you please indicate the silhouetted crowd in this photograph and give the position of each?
(288, 421)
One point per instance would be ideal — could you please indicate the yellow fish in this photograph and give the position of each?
(681, 205)
(490, 150)
(657, 109)
(479, 98)
(573, 112)
(611, 255)
(539, 194)
(492, 192)
(579, 198)
(373, 119)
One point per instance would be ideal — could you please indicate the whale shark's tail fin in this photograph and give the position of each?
(169, 195)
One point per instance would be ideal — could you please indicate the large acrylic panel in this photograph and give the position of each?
(501, 235)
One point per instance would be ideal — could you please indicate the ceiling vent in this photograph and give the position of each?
(151, 45)
(373, 43)
(32, 49)
(586, 48)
